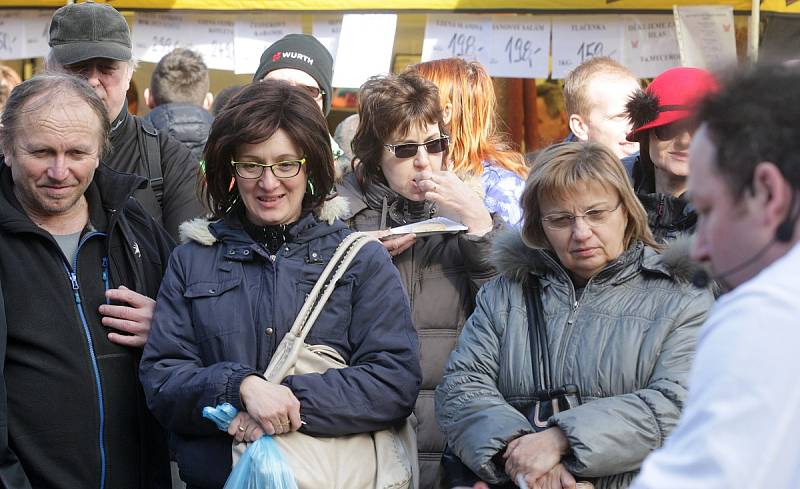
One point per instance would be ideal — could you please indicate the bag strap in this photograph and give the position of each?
(150, 150)
(323, 289)
(538, 333)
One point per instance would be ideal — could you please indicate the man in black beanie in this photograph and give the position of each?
(303, 61)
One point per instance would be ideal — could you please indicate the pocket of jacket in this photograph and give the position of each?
(216, 307)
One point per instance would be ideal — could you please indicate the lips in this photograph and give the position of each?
(270, 200)
(583, 252)
(679, 155)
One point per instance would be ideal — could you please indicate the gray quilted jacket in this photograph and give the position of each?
(627, 342)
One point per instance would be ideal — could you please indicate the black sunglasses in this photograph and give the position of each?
(675, 129)
(408, 150)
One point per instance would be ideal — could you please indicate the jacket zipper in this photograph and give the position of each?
(73, 278)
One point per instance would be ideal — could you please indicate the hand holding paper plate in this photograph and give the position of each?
(437, 225)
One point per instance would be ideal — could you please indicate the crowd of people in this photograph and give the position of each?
(618, 312)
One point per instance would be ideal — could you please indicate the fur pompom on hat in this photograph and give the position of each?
(671, 97)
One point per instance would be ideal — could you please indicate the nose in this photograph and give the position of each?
(268, 181)
(580, 230)
(422, 159)
(684, 139)
(698, 246)
(92, 75)
(58, 170)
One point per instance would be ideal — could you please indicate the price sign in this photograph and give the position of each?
(37, 23)
(650, 44)
(155, 35)
(520, 47)
(12, 35)
(365, 48)
(254, 34)
(578, 38)
(706, 36)
(326, 28)
(458, 36)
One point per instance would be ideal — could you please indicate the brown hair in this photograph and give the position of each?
(559, 169)
(8, 80)
(473, 123)
(576, 84)
(388, 105)
(180, 76)
(253, 116)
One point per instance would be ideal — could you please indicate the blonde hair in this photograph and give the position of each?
(474, 137)
(576, 84)
(560, 169)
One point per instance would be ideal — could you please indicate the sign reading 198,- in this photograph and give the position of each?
(520, 50)
(463, 45)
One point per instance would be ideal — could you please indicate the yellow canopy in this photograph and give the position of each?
(776, 6)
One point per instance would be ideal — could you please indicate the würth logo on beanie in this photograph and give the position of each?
(292, 55)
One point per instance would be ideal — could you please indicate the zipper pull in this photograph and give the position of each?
(75, 287)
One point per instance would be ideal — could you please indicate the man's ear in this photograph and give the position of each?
(149, 100)
(578, 127)
(447, 113)
(772, 193)
(208, 101)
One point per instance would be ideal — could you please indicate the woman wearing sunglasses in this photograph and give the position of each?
(231, 293)
(574, 365)
(402, 178)
(663, 126)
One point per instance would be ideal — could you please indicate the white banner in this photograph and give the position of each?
(364, 48)
(255, 33)
(458, 36)
(520, 47)
(326, 28)
(12, 35)
(578, 38)
(37, 23)
(651, 45)
(155, 35)
(706, 36)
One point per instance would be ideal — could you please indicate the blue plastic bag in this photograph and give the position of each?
(262, 466)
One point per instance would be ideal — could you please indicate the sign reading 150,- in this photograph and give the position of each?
(577, 39)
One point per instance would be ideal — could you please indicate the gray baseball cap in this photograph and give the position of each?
(82, 31)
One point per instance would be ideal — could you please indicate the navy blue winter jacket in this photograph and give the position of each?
(225, 304)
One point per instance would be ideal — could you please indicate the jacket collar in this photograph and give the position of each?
(515, 260)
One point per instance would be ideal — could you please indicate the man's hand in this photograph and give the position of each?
(133, 320)
(273, 406)
(536, 454)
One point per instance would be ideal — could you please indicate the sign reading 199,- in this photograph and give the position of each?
(520, 47)
(461, 36)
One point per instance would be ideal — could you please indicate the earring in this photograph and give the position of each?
(310, 187)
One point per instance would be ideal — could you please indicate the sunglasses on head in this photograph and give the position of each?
(408, 150)
(675, 129)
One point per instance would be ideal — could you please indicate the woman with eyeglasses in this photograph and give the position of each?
(573, 366)
(663, 126)
(402, 179)
(233, 290)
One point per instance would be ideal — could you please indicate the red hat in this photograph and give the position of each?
(671, 96)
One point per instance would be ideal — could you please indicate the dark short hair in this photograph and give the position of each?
(180, 76)
(49, 89)
(388, 105)
(253, 116)
(223, 97)
(756, 118)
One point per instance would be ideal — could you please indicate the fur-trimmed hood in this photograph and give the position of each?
(199, 230)
(516, 261)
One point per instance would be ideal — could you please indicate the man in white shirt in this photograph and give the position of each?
(741, 424)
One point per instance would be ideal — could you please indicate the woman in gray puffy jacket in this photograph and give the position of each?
(613, 340)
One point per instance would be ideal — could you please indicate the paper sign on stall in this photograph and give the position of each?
(36, 24)
(578, 38)
(326, 28)
(365, 48)
(651, 45)
(12, 35)
(155, 35)
(458, 36)
(255, 33)
(520, 47)
(706, 36)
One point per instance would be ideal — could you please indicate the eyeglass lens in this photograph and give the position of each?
(409, 150)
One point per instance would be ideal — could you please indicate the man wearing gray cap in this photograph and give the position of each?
(92, 41)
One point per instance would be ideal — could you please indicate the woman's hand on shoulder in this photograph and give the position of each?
(273, 406)
(455, 200)
(532, 456)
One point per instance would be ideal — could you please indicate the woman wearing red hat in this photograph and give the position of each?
(663, 126)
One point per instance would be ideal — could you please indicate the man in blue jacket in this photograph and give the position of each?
(80, 261)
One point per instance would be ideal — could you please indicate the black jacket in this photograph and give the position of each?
(188, 123)
(130, 137)
(669, 217)
(71, 408)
